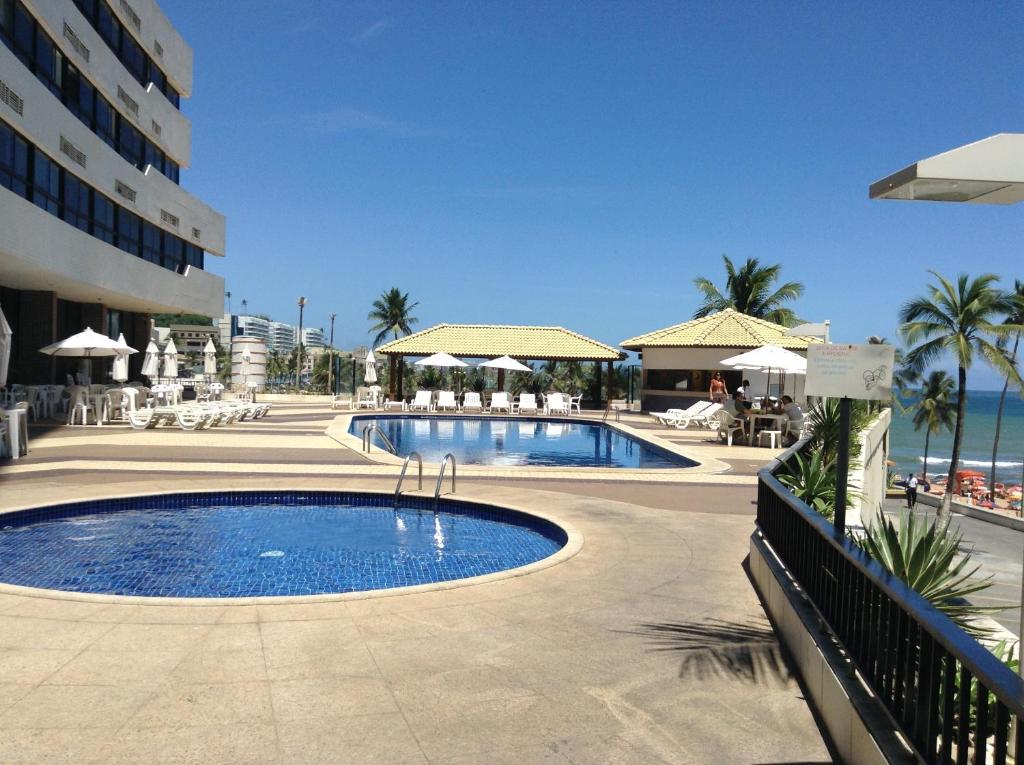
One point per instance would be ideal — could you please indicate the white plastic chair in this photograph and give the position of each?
(422, 402)
(446, 401)
(500, 402)
(555, 403)
(729, 425)
(80, 404)
(471, 401)
(528, 403)
(575, 403)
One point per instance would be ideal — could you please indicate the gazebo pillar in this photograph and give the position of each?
(501, 379)
(401, 377)
(611, 379)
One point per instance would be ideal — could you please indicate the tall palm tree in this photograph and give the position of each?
(392, 314)
(750, 289)
(934, 408)
(960, 319)
(1015, 316)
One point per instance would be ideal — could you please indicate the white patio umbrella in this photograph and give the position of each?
(441, 360)
(151, 362)
(370, 376)
(246, 360)
(506, 362)
(5, 348)
(210, 358)
(87, 344)
(120, 371)
(170, 359)
(769, 357)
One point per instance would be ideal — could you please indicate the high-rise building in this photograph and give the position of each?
(312, 337)
(95, 229)
(282, 337)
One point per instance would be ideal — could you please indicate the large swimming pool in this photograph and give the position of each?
(247, 544)
(518, 441)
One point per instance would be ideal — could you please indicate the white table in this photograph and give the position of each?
(17, 430)
(775, 422)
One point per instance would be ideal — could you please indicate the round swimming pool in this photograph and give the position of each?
(504, 441)
(244, 544)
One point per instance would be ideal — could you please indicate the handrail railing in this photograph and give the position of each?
(405, 466)
(950, 695)
(368, 432)
(440, 476)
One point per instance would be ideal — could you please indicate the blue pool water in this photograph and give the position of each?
(260, 544)
(518, 441)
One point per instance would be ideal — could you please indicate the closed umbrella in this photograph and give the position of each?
(120, 371)
(5, 348)
(246, 359)
(151, 362)
(170, 359)
(210, 358)
(370, 377)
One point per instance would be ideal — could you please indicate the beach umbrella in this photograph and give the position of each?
(370, 376)
(5, 348)
(170, 359)
(441, 360)
(210, 358)
(506, 362)
(151, 362)
(120, 371)
(86, 344)
(769, 357)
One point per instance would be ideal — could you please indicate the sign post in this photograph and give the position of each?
(848, 372)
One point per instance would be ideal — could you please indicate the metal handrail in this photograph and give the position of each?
(978, 662)
(449, 457)
(368, 431)
(405, 466)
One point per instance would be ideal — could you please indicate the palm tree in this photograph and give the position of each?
(1015, 316)
(750, 290)
(960, 319)
(935, 408)
(392, 314)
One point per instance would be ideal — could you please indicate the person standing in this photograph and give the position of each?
(912, 491)
(718, 393)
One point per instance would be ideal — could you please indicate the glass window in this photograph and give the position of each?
(105, 121)
(154, 157)
(171, 170)
(6, 156)
(173, 257)
(44, 60)
(133, 58)
(157, 78)
(151, 243)
(108, 27)
(102, 218)
(129, 231)
(173, 96)
(24, 33)
(7, 18)
(130, 143)
(193, 256)
(19, 175)
(88, 8)
(76, 202)
(46, 184)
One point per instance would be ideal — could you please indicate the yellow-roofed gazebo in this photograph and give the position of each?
(489, 341)
(678, 361)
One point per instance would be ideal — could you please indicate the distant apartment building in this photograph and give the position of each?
(312, 337)
(95, 229)
(282, 338)
(191, 338)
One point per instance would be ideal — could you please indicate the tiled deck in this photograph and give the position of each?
(585, 661)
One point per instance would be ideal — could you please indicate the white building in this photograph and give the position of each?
(95, 229)
(282, 337)
(312, 337)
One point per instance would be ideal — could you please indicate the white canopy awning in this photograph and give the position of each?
(441, 360)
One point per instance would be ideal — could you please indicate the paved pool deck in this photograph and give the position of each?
(647, 646)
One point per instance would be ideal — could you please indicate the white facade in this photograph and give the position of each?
(312, 337)
(41, 252)
(282, 337)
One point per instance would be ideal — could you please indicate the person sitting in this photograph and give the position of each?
(744, 390)
(791, 409)
(736, 406)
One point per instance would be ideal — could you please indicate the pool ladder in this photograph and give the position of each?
(368, 432)
(419, 461)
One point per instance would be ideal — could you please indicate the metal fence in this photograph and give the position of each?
(954, 701)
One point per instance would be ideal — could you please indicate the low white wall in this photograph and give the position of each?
(868, 479)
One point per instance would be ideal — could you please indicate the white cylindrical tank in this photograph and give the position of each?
(248, 362)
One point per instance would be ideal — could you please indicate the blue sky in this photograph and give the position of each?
(579, 164)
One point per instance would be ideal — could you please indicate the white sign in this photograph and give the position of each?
(850, 371)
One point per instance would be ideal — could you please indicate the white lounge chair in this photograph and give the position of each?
(528, 403)
(671, 416)
(366, 398)
(422, 402)
(471, 402)
(500, 402)
(446, 401)
(556, 403)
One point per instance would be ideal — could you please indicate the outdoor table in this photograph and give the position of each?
(17, 431)
(775, 422)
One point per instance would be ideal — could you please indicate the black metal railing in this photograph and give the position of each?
(952, 698)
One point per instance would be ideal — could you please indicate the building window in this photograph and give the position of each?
(24, 34)
(129, 232)
(103, 218)
(129, 142)
(13, 161)
(76, 202)
(106, 121)
(151, 243)
(46, 183)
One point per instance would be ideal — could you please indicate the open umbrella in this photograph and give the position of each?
(210, 358)
(506, 362)
(120, 371)
(151, 362)
(86, 344)
(170, 359)
(441, 360)
(5, 348)
(370, 376)
(769, 357)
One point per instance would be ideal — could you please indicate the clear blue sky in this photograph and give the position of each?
(579, 164)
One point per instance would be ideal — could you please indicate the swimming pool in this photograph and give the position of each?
(244, 544)
(518, 441)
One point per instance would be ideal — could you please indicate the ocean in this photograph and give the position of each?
(907, 445)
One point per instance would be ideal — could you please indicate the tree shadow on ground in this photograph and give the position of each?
(717, 648)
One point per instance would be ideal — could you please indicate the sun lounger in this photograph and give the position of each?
(500, 402)
(706, 417)
(471, 402)
(422, 402)
(555, 403)
(672, 417)
(446, 401)
(527, 403)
